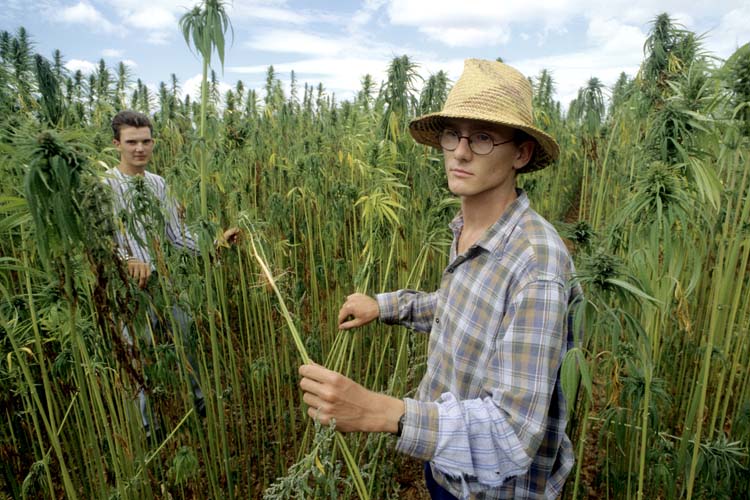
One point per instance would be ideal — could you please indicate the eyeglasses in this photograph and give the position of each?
(480, 143)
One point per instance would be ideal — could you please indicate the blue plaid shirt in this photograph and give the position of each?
(489, 414)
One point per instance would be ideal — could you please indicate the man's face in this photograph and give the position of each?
(470, 174)
(135, 147)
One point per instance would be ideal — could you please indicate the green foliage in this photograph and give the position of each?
(316, 475)
(184, 465)
(50, 186)
(49, 88)
(206, 25)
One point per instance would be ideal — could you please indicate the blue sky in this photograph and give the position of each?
(338, 42)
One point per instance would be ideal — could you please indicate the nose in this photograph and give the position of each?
(463, 150)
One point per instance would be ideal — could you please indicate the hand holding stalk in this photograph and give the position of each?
(332, 396)
(139, 271)
(362, 308)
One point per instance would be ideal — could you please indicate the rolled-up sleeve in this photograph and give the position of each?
(408, 308)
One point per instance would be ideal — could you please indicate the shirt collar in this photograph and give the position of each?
(495, 237)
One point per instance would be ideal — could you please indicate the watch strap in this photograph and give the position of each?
(400, 427)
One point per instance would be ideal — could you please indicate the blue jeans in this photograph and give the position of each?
(437, 492)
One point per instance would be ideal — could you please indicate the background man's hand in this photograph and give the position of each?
(139, 271)
(361, 308)
(331, 395)
(231, 235)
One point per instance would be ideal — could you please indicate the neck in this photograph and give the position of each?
(480, 212)
(130, 170)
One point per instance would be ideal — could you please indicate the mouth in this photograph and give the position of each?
(460, 172)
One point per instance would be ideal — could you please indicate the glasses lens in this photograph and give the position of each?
(481, 143)
(449, 140)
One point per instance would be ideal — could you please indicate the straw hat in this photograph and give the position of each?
(492, 92)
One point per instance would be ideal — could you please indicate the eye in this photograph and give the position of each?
(481, 137)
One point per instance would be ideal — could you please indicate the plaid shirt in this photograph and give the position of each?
(131, 243)
(489, 413)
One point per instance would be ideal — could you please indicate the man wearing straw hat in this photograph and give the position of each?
(489, 415)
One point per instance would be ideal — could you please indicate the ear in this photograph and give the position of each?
(524, 152)
(116, 143)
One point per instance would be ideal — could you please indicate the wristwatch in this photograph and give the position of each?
(400, 427)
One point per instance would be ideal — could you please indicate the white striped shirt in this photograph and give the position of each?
(132, 238)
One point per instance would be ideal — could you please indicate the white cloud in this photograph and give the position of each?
(112, 53)
(13, 10)
(86, 67)
(480, 22)
(572, 71)
(130, 63)
(158, 38)
(150, 18)
(614, 38)
(364, 15)
(192, 87)
(470, 25)
(732, 32)
(341, 75)
(469, 37)
(84, 13)
(267, 10)
(297, 42)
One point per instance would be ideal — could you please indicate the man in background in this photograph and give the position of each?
(133, 138)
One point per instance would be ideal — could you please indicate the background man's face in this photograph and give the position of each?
(135, 147)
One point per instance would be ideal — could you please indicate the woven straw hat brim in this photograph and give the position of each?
(491, 92)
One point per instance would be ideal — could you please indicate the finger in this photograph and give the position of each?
(353, 323)
(311, 387)
(343, 313)
(312, 400)
(309, 370)
(316, 414)
(144, 274)
(318, 373)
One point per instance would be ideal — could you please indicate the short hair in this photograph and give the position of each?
(519, 137)
(129, 118)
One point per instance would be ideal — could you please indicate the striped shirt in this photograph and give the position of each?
(489, 414)
(132, 238)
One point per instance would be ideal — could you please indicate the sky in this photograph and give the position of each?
(337, 42)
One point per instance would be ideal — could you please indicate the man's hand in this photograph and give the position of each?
(139, 271)
(231, 235)
(362, 308)
(331, 395)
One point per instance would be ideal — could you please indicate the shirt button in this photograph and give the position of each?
(450, 270)
(437, 320)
